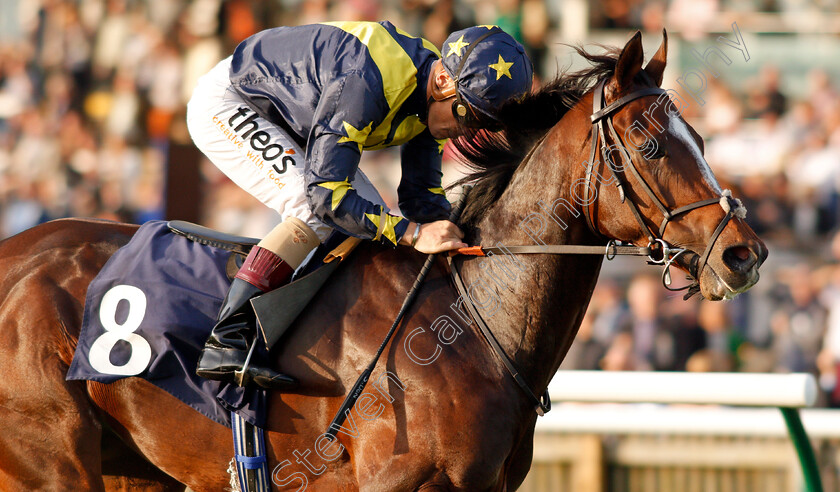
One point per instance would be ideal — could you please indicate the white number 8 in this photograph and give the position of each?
(141, 352)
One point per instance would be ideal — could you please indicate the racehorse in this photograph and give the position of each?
(442, 412)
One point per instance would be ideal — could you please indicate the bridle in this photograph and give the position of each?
(666, 254)
(658, 251)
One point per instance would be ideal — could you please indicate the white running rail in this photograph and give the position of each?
(739, 389)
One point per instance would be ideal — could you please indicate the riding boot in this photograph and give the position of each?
(227, 348)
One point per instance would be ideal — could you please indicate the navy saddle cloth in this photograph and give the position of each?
(148, 313)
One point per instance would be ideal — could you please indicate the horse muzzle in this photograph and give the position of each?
(733, 271)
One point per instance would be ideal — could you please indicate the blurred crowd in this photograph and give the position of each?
(92, 101)
(93, 93)
(790, 324)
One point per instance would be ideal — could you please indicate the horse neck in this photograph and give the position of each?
(541, 298)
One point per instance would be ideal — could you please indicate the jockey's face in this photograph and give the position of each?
(441, 92)
(442, 123)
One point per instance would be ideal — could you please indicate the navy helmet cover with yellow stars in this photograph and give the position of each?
(496, 67)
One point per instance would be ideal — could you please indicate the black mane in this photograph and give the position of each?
(493, 157)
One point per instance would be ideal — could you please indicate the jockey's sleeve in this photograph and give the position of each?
(347, 112)
(420, 192)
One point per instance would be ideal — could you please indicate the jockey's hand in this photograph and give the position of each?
(435, 237)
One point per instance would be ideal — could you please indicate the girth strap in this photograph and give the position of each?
(250, 462)
(542, 404)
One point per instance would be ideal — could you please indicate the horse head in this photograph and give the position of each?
(653, 185)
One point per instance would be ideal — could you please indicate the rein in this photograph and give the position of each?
(542, 404)
(610, 251)
(658, 251)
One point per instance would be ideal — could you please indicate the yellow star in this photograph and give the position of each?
(437, 191)
(488, 26)
(457, 46)
(354, 135)
(441, 144)
(502, 68)
(339, 189)
(390, 222)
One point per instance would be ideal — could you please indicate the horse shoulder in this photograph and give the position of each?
(467, 405)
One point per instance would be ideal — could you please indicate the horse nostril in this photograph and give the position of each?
(739, 258)
(741, 252)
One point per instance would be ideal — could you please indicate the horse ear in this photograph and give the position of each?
(629, 61)
(656, 66)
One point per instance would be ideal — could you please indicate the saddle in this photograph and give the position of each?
(152, 305)
(276, 310)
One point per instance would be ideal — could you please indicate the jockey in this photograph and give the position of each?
(286, 118)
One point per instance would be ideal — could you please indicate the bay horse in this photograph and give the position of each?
(451, 421)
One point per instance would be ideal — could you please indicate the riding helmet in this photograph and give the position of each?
(488, 67)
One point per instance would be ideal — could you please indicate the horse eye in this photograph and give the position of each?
(653, 150)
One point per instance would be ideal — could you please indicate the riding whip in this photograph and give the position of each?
(357, 388)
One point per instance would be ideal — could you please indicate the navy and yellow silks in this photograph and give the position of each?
(341, 88)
